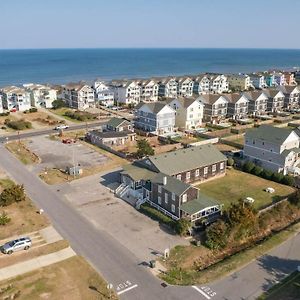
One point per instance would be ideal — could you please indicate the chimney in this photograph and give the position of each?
(165, 180)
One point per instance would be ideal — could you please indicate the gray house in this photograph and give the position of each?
(291, 96)
(257, 102)
(273, 148)
(157, 117)
(237, 106)
(164, 181)
(275, 102)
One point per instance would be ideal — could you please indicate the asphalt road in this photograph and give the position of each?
(24, 135)
(121, 267)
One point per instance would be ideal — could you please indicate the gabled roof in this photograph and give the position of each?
(254, 95)
(210, 98)
(115, 122)
(154, 107)
(182, 160)
(233, 98)
(287, 89)
(271, 92)
(185, 102)
(271, 134)
(195, 206)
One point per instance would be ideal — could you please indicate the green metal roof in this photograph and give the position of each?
(194, 206)
(138, 173)
(173, 185)
(182, 160)
(115, 122)
(274, 135)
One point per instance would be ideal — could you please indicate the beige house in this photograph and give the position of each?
(239, 82)
(189, 112)
(79, 95)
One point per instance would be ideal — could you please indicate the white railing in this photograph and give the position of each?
(140, 202)
(162, 210)
(124, 191)
(120, 188)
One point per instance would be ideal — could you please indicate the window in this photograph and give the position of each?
(184, 198)
(197, 173)
(159, 200)
(205, 170)
(166, 198)
(221, 165)
(178, 176)
(188, 175)
(159, 189)
(173, 208)
(173, 196)
(213, 168)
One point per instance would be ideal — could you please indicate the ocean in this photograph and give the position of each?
(66, 65)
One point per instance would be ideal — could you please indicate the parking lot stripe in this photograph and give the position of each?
(128, 289)
(201, 292)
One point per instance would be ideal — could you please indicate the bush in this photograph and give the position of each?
(230, 162)
(257, 170)
(4, 219)
(217, 235)
(248, 166)
(144, 148)
(277, 177)
(14, 193)
(56, 104)
(5, 114)
(267, 174)
(33, 109)
(294, 198)
(79, 115)
(288, 180)
(18, 125)
(182, 226)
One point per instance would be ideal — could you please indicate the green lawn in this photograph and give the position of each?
(236, 185)
(61, 112)
(289, 289)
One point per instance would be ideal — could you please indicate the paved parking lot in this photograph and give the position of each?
(141, 235)
(55, 154)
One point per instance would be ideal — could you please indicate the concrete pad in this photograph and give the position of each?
(50, 235)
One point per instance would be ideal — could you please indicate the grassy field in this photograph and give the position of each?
(237, 185)
(288, 289)
(188, 140)
(72, 279)
(20, 150)
(61, 112)
(24, 216)
(180, 264)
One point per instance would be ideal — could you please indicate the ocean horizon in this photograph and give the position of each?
(62, 65)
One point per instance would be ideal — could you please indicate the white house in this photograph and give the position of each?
(15, 98)
(218, 84)
(104, 94)
(149, 90)
(189, 112)
(156, 117)
(41, 95)
(185, 86)
(128, 92)
(258, 81)
(79, 95)
(273, 148)
(1, 106)
(168, 87)
(202, 84)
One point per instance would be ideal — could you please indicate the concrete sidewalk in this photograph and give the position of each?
(36, 263)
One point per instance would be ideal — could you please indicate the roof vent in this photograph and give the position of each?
(165, 180)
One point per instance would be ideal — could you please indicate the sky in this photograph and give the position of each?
(149, 24)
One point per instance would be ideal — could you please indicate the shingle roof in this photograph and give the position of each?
(253, 95)
(287, 89)
(202, 202)
(271, 93)
(111, 134)
(209, 98)
(154, 107)
(115, 122)
(274, 135)
(137, 173)
(232, 98)
(182, 160)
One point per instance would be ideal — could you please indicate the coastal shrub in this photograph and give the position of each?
(182, 226)
(294, 198)
(248, 166)
(80, 115)
(288, 180)
(277, 177)
(230, 162)
(56, 104)
(144, 148)
(5, 114)
(4, 219)
(33, 109)
(18, 125)
(12, 194)
(257, 170)
(217, 235)
(267, 174)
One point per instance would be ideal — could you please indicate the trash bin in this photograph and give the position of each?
(152, 264)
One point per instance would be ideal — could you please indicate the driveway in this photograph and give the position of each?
(55, 154)
(143, 237)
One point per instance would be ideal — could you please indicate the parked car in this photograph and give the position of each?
(60, 127)
(23, 243)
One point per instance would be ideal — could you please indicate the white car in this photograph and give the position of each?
(60, 127)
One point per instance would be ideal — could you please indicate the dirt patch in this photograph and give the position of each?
(21, 151)
(72, 278)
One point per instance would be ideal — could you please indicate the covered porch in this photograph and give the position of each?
(202, 207)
